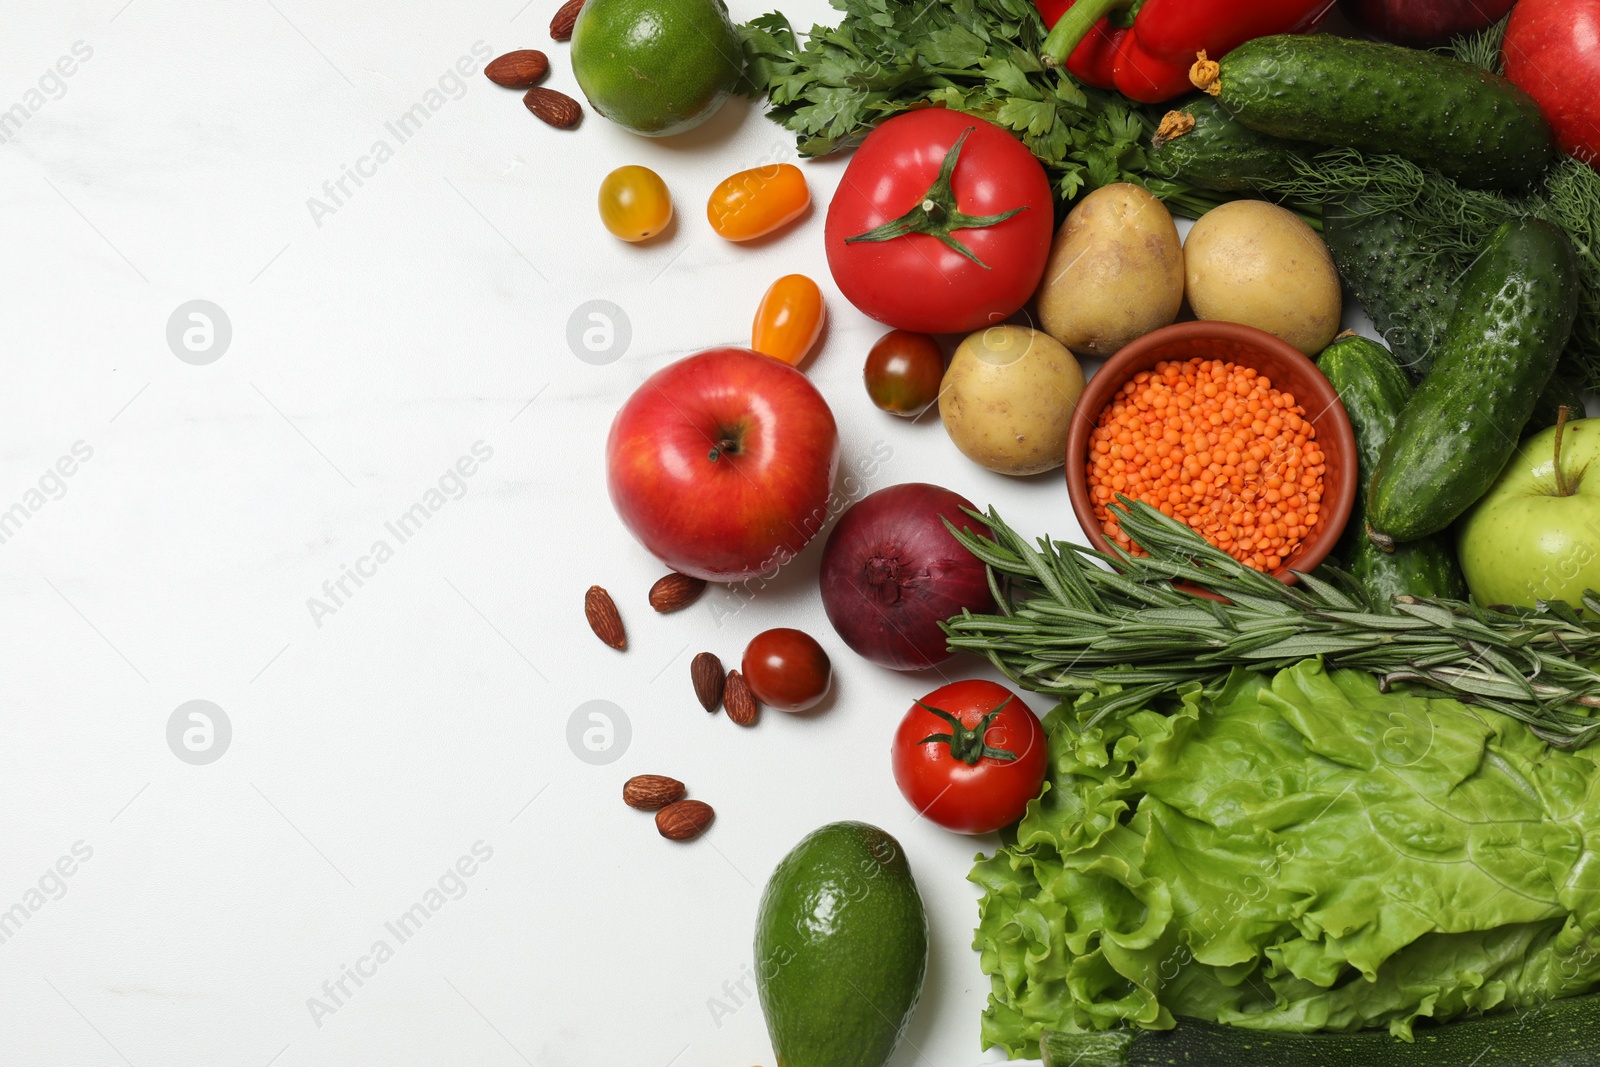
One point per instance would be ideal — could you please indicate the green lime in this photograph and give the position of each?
(656, 67)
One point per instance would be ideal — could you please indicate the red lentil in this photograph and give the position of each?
(1213, 445)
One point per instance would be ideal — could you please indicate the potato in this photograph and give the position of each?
(1253, 262)
(1008, 397)
(1115, 272)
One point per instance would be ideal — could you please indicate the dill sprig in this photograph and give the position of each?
(1453, 223)
(1069, 625)
(1482, 49)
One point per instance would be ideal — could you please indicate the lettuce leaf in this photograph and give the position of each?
(1297, 852)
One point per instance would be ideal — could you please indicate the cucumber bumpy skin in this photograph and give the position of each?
(1473, 126)
(1374, 390)
(1514, 314)
(1219, 152)
(1398, 280)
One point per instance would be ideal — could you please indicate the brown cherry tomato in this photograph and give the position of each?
(786, 669)
(903, 372)
(753, 203)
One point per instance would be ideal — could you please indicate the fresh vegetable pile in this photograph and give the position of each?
(1295, 852)
(1281, 796)
(979, 57)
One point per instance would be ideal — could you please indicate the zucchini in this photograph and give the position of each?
(1374, 391)
(1474, 126)
(1219, 152)
(1513, 316)
(1562, 1033)
(1404, 286)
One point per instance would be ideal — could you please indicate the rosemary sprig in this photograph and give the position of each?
(1068, 626)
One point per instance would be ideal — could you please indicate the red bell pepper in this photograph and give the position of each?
(1144, 48)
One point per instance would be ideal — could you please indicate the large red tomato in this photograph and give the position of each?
(1552, 53)
(969, 756)
(941, 224)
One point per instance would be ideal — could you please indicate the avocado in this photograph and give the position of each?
(841, 949)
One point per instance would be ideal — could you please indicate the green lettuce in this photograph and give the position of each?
(1297, 852)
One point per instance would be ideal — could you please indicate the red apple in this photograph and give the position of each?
(1552, 52)
(721, 464)
(1423, 23)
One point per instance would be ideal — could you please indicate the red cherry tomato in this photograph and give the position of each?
(903, 372)
(786, 669)
(970, 756)
(941, 224)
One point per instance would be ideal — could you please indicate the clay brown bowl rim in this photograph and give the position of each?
(1327, 414)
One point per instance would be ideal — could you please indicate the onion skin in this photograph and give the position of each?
(891, 573)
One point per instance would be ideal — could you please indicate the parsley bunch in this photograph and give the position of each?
(975, 56)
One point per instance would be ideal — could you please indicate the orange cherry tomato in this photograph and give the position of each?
(789, 319)
(753, 203)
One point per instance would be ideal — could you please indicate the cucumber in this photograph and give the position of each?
(1562, 1033)
(1513, 316)
(1219, 152)
(1474, 126)
(1403, 285)
(1374, 391)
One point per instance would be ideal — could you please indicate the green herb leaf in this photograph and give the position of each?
(977, 56)
(1072, 624)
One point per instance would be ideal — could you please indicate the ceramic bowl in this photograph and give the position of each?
(1288, 371)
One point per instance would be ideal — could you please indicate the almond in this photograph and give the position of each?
(556, 109)
(566, 18)
(706, 672)
(740, 702)
(604, 620)
(647, 792)
(683, 820)
(518, 70)
(674, 592)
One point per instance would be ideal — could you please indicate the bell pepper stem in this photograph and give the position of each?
(936, 214)
(1074, 26)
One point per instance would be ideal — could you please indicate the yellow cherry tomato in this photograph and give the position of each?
(789, 319)
(753, 203)
(634, 203)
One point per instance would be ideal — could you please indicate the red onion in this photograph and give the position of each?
(891, 573)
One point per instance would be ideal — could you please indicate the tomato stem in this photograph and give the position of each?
(967, 744)
(937, 213)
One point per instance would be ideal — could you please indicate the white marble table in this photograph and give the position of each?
(383, 301)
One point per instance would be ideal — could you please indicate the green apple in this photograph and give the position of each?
(1533, 536)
